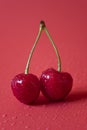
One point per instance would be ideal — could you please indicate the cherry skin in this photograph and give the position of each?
(55, 85)
(26, 87)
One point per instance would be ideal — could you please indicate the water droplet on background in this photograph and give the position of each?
(12, 124)
(28, 115)
(4, 115)
(26, 127)
(14, 117)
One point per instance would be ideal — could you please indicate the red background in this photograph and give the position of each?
(67, 22)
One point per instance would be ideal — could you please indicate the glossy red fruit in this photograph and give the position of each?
(26, 87)
(55, 85)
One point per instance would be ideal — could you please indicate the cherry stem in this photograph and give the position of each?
(33, 48)
(55, 48)
(41, 28)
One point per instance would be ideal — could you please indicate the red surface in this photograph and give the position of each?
(67, 23)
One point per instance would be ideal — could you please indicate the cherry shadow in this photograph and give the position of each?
(42, 100)
(73, 97)
(77, 96)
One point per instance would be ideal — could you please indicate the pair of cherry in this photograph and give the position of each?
(54, 84)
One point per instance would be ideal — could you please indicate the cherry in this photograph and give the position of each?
(55, 85)
(26, 87)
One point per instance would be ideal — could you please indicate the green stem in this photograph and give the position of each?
(33, 48)
(41, 28)
(55, 48)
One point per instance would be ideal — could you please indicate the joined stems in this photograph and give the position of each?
(41, 28)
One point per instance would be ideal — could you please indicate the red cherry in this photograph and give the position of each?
(26, 88)
(55, 85)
